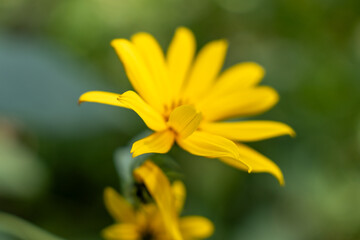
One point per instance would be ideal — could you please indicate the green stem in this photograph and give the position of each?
(22, 229)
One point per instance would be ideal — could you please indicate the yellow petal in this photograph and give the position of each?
(196, 227)
(239, 103)
(209, 145)
(248, 130)
(129, 100)
(206, 67)
(240, 76)
(159, 142)
(151, 117)
(159, 187)
(179, 58)
(257, 161)
(101, 97)
(149, 217)
(118, 207)
(154, 58)
(235, 163)
(137, 72)
(184, 120)
(179, 193)
(121, 231)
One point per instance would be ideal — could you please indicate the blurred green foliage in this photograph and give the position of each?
(52, 51)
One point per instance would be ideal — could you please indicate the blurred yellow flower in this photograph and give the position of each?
(182, 98)
(156, 221)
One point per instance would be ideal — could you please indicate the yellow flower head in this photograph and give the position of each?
(183, 98)
(155, 221)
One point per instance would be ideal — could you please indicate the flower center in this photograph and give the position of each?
(142, 193)
(148, 236)
(174, 104)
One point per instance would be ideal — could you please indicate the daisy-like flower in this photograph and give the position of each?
(156, 221)
(183, 99)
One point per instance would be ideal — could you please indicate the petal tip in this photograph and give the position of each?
(81, 98)
(108, 190)
(184, 30)
(118, 41)
(135, 152)
(282, 183)
(289, 131)
(292, 133)
(276, 95)
(114, 42)
(224, 42)
(280, 178)
(140, 35)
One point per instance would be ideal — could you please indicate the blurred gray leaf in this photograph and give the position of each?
(40, 85)
(22, 174)
(125, 164)
(22, 229)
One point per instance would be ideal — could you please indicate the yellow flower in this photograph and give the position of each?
(158, 221)
(183, 99)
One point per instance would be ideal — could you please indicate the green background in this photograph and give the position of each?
(56, 157)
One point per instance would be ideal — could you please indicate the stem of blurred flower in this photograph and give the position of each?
(22, 229)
